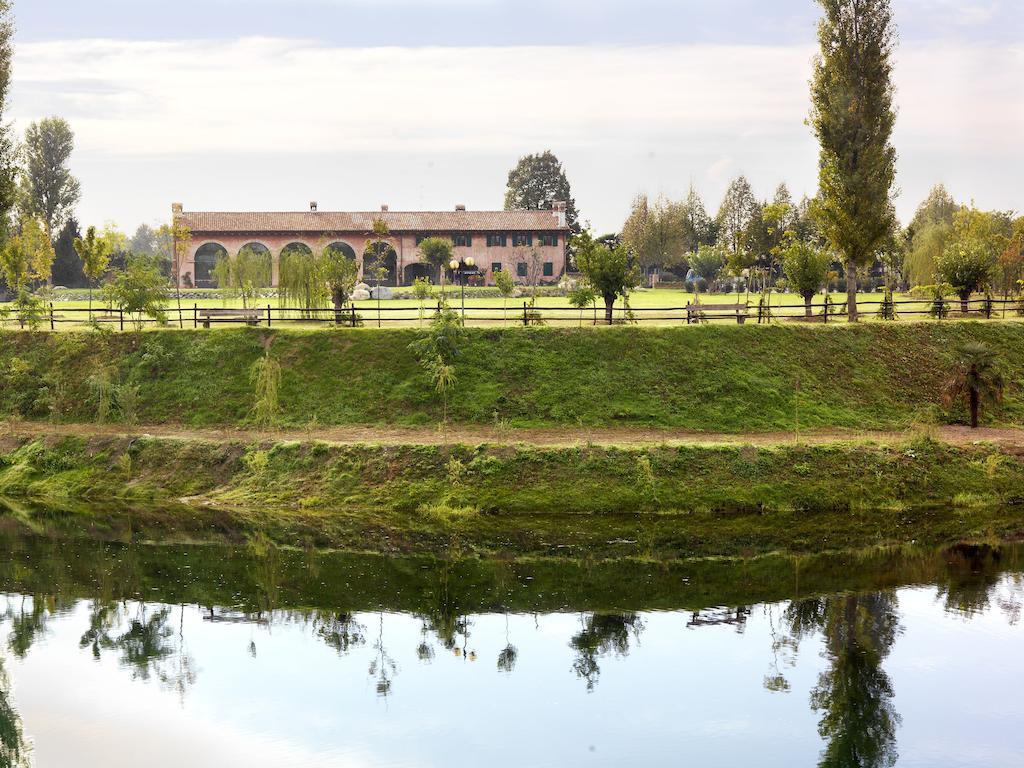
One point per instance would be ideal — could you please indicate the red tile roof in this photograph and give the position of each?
(397, 221)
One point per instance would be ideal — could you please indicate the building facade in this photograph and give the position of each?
(530, 244)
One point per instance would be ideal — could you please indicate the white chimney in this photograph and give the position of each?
(312, 205)
(384, 208)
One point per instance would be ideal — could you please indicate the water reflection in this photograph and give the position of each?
(411, 630)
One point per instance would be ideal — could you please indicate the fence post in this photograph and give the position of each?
(352, 307)
(268, 315)
(51, 316)
(120, 313)
(526, 317)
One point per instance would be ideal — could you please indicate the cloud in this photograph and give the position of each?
(629, 118)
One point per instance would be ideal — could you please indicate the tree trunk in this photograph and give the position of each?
(339, 307)
(851, 292)
(974, 408)
(807, 305)
(609, 309)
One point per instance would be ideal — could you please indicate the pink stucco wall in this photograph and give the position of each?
(404, 245)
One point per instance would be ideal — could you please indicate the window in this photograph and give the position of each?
(521, 269)
(495, 266)
(549, 240)
(497, 241)
(549, 269)
(463, 241)
(520, 241)
(420, 239)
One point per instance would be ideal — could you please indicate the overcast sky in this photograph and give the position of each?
(422, 104)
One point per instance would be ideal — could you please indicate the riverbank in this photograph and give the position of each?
(665, 502)
(712, 379)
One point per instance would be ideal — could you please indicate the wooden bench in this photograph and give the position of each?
(701, 313)
(247, 316)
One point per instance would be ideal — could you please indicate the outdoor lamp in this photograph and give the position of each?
(453, 264)
(470, 262)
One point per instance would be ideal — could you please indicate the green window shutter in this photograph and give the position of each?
(469, 241)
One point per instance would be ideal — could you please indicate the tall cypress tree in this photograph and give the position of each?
(8, 167)
(852, 115)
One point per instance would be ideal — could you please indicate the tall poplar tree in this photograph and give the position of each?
(852, 115)
(8, 159)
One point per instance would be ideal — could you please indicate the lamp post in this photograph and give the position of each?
(463, 269)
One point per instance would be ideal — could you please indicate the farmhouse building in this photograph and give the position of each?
(530, 244)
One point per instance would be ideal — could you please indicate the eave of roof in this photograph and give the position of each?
(397, 221)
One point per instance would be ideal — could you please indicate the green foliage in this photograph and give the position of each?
(128, 397)
(852, 116)
(437, 349)
(977, 377)
(608, 270)
(265, 376)
(506, 286)
(30, 309)
(141, 291)
(422, 290)
(300, 282)
(94, 252)
(437, 252)
(49, 191)
(340, 273)
(581, 297)
(26, 256)
(536, 182)
(244, 275)
(969, 260)
(103, 391)
(806, 266)
(709, 261)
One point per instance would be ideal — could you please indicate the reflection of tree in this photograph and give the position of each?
(29, 623)
(602, 633)
(15, 752)
(340, 631)
(973, 573)
(509, 654)
(383, 666)
(148, 646)
(854, 695)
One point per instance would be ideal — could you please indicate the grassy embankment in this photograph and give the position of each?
(665, 502)
(705, 379)
(662, 502)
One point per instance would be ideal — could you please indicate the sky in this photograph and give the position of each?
(425, 104)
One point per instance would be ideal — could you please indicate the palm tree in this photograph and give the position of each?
(976, 377)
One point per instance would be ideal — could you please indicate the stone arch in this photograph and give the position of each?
(388, 260)
(205, 260)
(342, 247)
(419, 269)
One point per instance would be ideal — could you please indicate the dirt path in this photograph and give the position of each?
(555, 436)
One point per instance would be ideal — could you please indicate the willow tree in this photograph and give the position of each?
(301, 284)
(852, 115)
(245, 274)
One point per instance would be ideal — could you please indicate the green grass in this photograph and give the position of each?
(708, 378)
(661, 502)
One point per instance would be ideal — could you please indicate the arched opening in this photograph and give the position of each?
(413, 271)
(380, 264)
(345, 248)
(296, 249)
(206, 260)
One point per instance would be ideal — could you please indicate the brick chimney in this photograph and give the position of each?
(460, 207)
(558, 206)
(384, 208)
(177, 209)
(312, 205)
